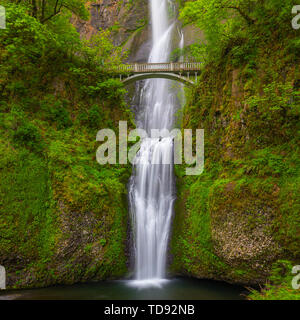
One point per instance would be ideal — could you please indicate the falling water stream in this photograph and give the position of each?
(152, 191)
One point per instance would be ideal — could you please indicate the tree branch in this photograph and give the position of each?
(43, 9)
(243, 14)
(71, 9)
(55, 12)
(240, 11)
(34, 8)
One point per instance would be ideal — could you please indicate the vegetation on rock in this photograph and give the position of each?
(63, 216)
(241, 216)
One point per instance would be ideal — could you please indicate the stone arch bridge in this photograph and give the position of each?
(178, 71)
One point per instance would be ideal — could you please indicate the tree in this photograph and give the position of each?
(232, 23)
(44, 10)
(219, 8)
(101, 51)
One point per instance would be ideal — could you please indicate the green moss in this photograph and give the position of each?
(249, 191)
(192, 246)
(33, 187)
(63, 217)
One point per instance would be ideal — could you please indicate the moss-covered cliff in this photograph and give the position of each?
(63, 217)
(242, 214)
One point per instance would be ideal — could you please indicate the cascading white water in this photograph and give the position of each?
(152, 191)
(181, 45)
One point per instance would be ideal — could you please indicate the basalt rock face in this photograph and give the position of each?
(128, 21)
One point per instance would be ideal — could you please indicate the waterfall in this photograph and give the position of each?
(181, 45)
(151, 189)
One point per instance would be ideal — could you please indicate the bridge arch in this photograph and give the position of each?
(176, 71)
(158, 75)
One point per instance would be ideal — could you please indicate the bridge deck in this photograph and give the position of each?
(173, 67)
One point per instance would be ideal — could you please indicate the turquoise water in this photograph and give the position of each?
(176, 289)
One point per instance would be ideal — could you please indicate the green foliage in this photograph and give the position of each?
(280, 286)
(283, 292)
(247, 101)
(92, 117)
(192, 246)
(277, 97)
(44, 11)
(111, 88)
(233, 26)
(265, 162)
(28, 135)
(287, 225)
(102, 242)
(100, 50)
(58, 115)
(281, 270)
(55, 92)
(193, 52)
(26, 220)
(244, 53)
(274, 112)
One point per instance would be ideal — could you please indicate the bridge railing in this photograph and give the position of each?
(160, 67)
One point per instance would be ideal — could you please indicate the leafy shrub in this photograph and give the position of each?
(243, 53)
(28, 135)
(112, 89)
(56, 112)
(92, 117)
(60, 116)
(225, 23)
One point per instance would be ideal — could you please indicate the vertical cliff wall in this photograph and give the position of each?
(127, 20)
(241, 215)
